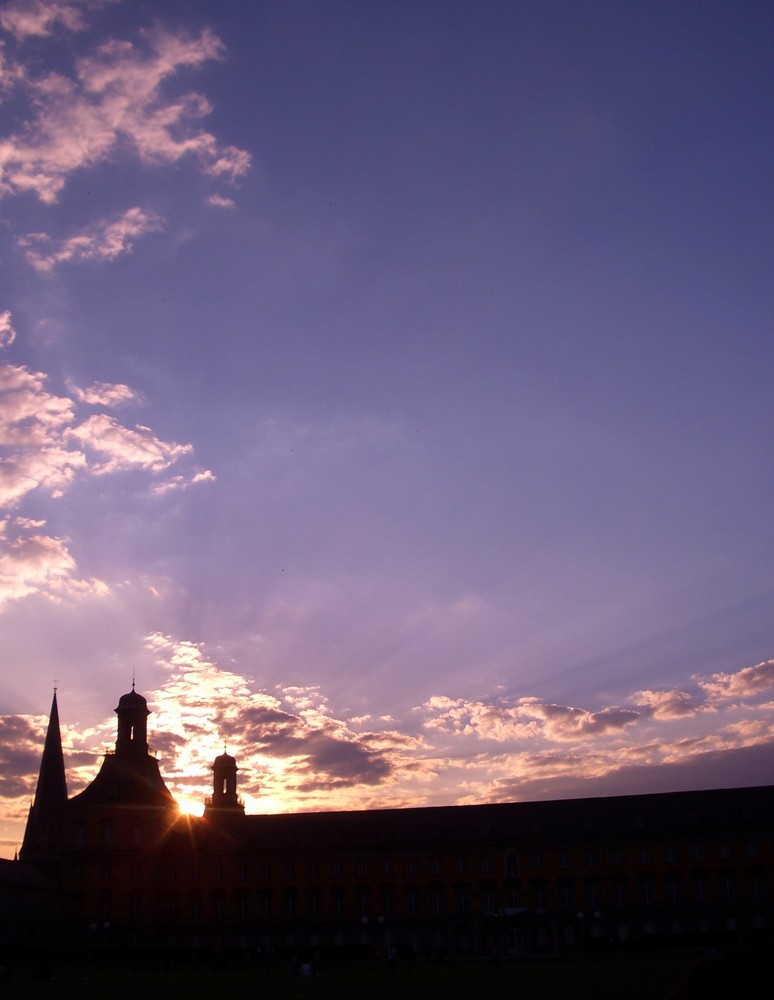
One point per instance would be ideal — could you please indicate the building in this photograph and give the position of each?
(492, 879)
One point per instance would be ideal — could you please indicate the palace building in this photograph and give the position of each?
(119, 867)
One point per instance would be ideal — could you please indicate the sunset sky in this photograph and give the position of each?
(389, 387)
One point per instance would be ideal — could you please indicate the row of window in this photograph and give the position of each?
(435, 866)
(588, 895)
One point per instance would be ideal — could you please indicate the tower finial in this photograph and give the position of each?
(132, 678)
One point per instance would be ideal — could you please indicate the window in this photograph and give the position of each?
(314, 869)
(567, 894)
(438, 898)
(387, 868)
(462, 897)
(674, 889)
(537, 861)
(592, 857)
(697, 851)
(264, 871)
(486, 864)
(755, 883)
(106, 833)
(362, 903)
(460, 864)
(645, 855)
(313, 904)
(361, 869)
(412, 900)
(338, 903)
(670, 854)
(513, 895)
(336, 869)
(540, 894)
(647, 889)
(565, 858)
(724, 851)
(289, 870)
(620, 891)
(594, 893)
(410, 867)
(436, 867)
(727, 886)
(290, 904)
(488, 897)
(616, 856)
(700, 887)
(387, 901)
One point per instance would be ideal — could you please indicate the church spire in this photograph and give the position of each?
(46, 816)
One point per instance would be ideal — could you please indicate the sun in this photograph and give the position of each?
(191, 807)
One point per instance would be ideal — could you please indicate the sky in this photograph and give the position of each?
(386, 387)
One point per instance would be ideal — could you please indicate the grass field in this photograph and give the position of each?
(634, 976)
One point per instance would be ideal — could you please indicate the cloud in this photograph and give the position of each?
(21, 741)
(113, 101)
(666, 704)
(126, 447)
(218, 201)
(46, 448)
(745, 683)
(32, 562)
(104, 394)
(528, 719)
(7, 332)
(105, 240)
(291, 750)
(39, 18)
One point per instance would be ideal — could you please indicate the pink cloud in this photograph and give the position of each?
(114, 99)
(25, 18)
(126, 447)
(104, 394)
(745, 683)
(105, 240)
(7, 332)
(666, 704)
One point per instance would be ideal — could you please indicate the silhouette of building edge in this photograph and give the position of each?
(118, 868)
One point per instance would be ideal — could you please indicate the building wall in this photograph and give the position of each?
(469, 880)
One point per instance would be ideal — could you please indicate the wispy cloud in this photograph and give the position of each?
(32, 562)
(7, 332)
(25, 18)
(104, 394)
(112, 100)
(46, 448)
(105, 240)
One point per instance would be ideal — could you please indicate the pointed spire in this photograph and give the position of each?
(47, 811)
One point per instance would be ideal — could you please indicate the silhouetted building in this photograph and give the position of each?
(493, 879)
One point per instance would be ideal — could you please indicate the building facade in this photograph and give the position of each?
(482, 880)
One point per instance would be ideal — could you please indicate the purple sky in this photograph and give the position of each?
(390, 387)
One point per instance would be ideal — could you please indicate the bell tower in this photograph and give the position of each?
(132, 734)
(224, 799)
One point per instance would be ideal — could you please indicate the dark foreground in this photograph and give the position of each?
(649, 976)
